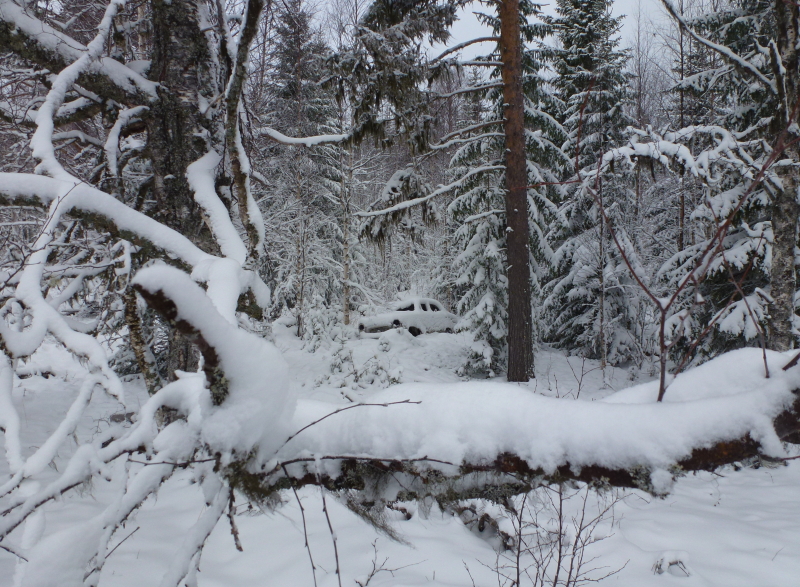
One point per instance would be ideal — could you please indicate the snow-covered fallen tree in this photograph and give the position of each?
(720, 412)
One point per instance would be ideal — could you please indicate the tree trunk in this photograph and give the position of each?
(520, 319)
(178, 133)
(141, 350)
(346, 265)
(785, 209)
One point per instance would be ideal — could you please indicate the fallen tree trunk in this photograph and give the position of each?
(389, 480)
(379, 479)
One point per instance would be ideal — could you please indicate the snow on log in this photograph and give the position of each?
(304, 141)
(469, 439)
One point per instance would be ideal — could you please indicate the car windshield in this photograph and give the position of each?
(406, 308)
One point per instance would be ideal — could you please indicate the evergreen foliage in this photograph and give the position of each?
(591, 303)
(304, 237)
(731, 304)
(478, 208)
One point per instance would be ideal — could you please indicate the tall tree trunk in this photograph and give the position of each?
(178, 133)
(520, 319)
(785, 209)
(346, 242)
(141, 349)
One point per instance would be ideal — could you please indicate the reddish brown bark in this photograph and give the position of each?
(520, 327)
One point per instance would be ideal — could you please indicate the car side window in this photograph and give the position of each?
(406, 308)
(424, 307)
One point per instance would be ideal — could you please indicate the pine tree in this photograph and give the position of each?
(394, 80)
(479, 207)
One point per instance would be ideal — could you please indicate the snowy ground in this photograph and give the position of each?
(731, 528)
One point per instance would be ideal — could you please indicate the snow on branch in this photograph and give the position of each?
(55, 50)
(238, 404)
(83, 198)
(465, 140)
(247, 375)
(442, 189)
(226, 277)
(42, 140)
(468, 89)
(44, 317)
(460, 46)
(200, 175)
(725, 52)
(305, 141)
(111, 146)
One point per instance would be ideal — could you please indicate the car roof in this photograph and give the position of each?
(415, 300)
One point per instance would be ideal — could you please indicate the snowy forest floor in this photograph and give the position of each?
(729, 528)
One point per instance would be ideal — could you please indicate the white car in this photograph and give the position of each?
(418, 315)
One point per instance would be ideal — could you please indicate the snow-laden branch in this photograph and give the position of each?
(226, 278)
(465, 140)
(9, 418)
(304, 141)
(83, 198)
(469, 89)
(728, 148)
(111, 146)
(249, 212)
(76, 135)
(54, 50)
(166, 446)
(467, 129)
(200, 175)
(44, 318)
(437, 192)
(460, 46)
(252, 417)
(257, 404)
(725, 52)
(42, 140)
(480, 63)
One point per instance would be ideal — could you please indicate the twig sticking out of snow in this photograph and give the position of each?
(305, 528)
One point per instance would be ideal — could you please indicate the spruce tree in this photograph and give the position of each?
(590, 302)
(734, 309)
(756, 62)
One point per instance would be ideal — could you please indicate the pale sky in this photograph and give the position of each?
(468, 26)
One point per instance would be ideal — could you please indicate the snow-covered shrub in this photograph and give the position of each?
(375, 373)
(323, 326)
